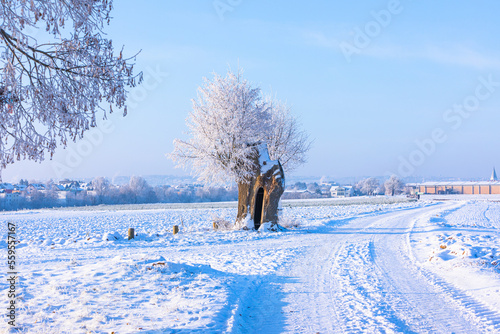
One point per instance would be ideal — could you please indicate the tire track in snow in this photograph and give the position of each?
(423, 305)
(363, 302)
(336, 279)
(258, 308)
(495, 223)
(366, 302)
(359, 278)
(486, 319)
(310, 291)
(326, 288)
(480, 314)
(415, 301)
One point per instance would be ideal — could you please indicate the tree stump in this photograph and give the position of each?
(131, 233)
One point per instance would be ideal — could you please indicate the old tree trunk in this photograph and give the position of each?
(258, 198)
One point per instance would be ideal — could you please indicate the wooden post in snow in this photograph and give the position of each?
(130, 233)
(176, 229)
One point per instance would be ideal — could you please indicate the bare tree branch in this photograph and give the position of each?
(51, 92)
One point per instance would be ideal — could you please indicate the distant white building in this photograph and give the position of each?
(20, 187)
(342, 191)
(325, 189)
(9, 198)
(36, 186)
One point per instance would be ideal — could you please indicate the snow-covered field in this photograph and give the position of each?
(426, 267)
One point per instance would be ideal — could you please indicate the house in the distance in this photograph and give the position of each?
(325, 188)
(342, 191)
(20, 187)
(9, 196)
(33, 187)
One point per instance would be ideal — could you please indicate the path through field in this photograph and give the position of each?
(362, 277)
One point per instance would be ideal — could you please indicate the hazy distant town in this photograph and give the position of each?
(155, 189)
(34, 195)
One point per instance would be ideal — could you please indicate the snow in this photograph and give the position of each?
(265, 163)
(461, 240)
(428, 266)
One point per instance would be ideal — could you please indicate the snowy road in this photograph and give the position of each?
(362, 277)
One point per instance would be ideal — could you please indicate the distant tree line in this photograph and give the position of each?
(366, 187)
(137, 191)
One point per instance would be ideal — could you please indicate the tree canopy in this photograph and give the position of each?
(368, 186)
(393, 185)
(228, 118)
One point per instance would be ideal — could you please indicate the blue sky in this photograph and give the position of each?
(367, 110)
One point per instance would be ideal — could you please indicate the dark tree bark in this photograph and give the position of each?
(272, 181)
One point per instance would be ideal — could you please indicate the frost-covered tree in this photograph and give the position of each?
(393, 186)
(101, 186)
(141, 191)
(368, 186)
(228, 118)
(299, 186)
(314, 187)
(52, 86)
(286, 141)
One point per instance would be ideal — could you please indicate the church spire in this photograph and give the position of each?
(493, 175)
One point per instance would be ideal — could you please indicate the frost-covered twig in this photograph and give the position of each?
(50, 92)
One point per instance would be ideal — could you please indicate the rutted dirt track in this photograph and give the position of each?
(360, 277)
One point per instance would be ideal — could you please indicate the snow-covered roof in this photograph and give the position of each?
(38, 186)
(20, 187)
(300, 191)
(341, 187)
